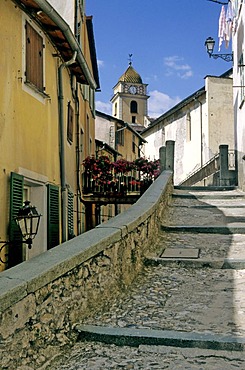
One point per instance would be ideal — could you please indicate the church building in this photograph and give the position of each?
(129, 101)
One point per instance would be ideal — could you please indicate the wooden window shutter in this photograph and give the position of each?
(16, 202)
(70, 124)
(34, 57)
(53, 216)
(70, 216)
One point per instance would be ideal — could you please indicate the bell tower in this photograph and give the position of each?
(129, 101)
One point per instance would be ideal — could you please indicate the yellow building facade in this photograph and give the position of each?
(48, 79)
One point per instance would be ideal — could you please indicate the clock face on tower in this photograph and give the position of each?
(132, 89)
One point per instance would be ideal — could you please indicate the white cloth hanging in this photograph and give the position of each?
(229, 22)
(222, 26)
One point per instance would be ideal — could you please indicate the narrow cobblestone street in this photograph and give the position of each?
(191, 290)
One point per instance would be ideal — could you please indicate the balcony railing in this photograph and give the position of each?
(116, 185)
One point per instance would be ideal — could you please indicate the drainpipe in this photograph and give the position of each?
(62, 146)
(78, 164)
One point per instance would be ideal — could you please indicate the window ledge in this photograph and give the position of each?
(33, 87)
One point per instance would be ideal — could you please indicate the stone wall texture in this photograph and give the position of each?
(43, 299)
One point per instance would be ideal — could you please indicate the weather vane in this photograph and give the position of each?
(130, 59)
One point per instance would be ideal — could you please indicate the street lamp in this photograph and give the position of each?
(28, 220)
(209, 43)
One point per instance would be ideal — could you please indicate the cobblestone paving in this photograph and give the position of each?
(175, 298)
(97, 356)
(163, 298)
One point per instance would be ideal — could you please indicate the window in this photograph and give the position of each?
(133, 144)
(87, 133)
(70, 123)
(133, 107)
(115, 113)
(133, 119)
(120, 136)
(34, 58)
(188, 126)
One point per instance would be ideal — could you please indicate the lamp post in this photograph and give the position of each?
(209, 43)
(28, 220)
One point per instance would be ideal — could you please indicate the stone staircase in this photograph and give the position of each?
(189, 302)
(219, 213)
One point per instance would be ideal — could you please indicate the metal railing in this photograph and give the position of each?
(210, 168)
(116, 184)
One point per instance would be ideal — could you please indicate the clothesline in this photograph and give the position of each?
(227, 21)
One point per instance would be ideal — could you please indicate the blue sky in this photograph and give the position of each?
(166, 38)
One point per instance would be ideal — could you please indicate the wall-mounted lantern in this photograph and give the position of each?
(209, 43)
(28, 220)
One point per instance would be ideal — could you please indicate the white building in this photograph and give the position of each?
(239, 89)
(198, 125)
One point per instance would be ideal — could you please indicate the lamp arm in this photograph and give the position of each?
(218, 2)
(226, 57)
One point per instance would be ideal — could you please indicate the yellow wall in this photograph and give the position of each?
(140, 115)
(29, 124)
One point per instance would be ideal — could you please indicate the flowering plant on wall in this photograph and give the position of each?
(123, 166)
(150, 169)
(103, 166)
(99, 168)
(120, 175)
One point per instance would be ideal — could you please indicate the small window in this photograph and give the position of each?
(188, 126)
(34, 58)
(120, 136)
(115, 112)
(133, 119)
(133, 107)
(133, 144)
(70, 124)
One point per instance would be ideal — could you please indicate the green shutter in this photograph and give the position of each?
(16, 202)
(53, 216)
(70, 218)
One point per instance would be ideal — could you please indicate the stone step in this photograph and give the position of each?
(208, 196)
(206, 188)
(200, 263)
(207, 229)
(136, 337)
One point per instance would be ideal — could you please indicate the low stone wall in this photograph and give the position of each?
(41, 300)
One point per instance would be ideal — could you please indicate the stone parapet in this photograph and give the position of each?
(43, 299)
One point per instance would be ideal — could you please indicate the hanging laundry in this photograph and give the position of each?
(222, 26)
(229, 22)
(235, 6)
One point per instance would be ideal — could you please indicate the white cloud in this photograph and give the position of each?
(160, 103)
(100, 63)
(175, 64)
(103, 107)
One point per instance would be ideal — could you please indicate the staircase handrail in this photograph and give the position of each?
(213, 159)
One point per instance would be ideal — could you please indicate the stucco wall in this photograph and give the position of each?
(220, 113)
(198, 125)
(239, 95)
(41, 300)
